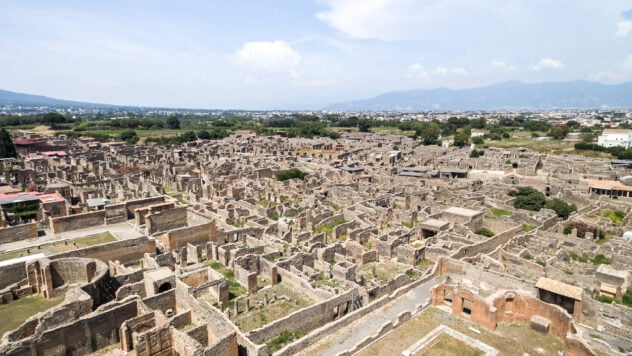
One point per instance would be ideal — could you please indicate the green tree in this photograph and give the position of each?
(53, 119)
(7, 149)
(173, 122)
(203, 135)
(129, 136)
(364, 125)
(478, 140)
(188, 136)
(428, 132)
(462, 137)
(558, 132)
(479, 123)
(587, 137)
(561, 208)
(528, 198)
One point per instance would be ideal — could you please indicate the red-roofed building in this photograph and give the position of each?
(52, 204)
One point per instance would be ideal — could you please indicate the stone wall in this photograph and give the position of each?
(83, 337)
(11, 274)
(303, 320)
(77, 221)
(488, 245)
(125, 251)
(336, 325)
(132, 205)
(178, 238)
(302, 285)
(18, 233)
(613, 317)
(166, 220)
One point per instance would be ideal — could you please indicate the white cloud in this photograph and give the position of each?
(615, 76)
(275, 56)
(417, 71)
(608, 77)
(391, 20)
(502, 66)
(623, 28)
(546, 63)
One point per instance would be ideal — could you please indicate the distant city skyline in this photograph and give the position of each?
(258, 55)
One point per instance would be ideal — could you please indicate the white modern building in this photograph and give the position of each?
(615, 137)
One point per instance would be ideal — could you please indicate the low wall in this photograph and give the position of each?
(77, 221)
(18, 233)
(488, 245)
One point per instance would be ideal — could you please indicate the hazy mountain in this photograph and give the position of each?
(508, 95)
(13, 98)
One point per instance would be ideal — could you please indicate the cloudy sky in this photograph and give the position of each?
(261, 54)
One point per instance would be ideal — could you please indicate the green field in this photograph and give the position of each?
(61, 246)
(16, 313)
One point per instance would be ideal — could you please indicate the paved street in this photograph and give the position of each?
(350, 335)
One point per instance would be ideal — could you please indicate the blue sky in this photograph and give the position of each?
(261, 54)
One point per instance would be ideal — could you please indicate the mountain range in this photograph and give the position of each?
(21, 99)
(507, 95)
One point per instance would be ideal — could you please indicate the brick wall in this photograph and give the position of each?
(77, 221)
(18, 233)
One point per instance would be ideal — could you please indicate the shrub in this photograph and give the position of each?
(561, 208)
(601, 260)
(291, 174)
(485, 232)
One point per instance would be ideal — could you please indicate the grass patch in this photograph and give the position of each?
(408, 224)
(527, 227)
(581, 258)
(541, 263)
(328, 227)
(447, 345)
(601, 260)
(500, 212)
(527, 256)
(234, 288)
(16, 313)
(615, 216)
(61, 246)
(92, 240)
(283, 339)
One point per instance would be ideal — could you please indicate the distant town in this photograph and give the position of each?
(155, 231)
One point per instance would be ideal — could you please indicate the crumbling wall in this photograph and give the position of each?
(88, 334)
(132, 205)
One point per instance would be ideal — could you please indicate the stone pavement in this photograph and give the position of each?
(348, 336)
